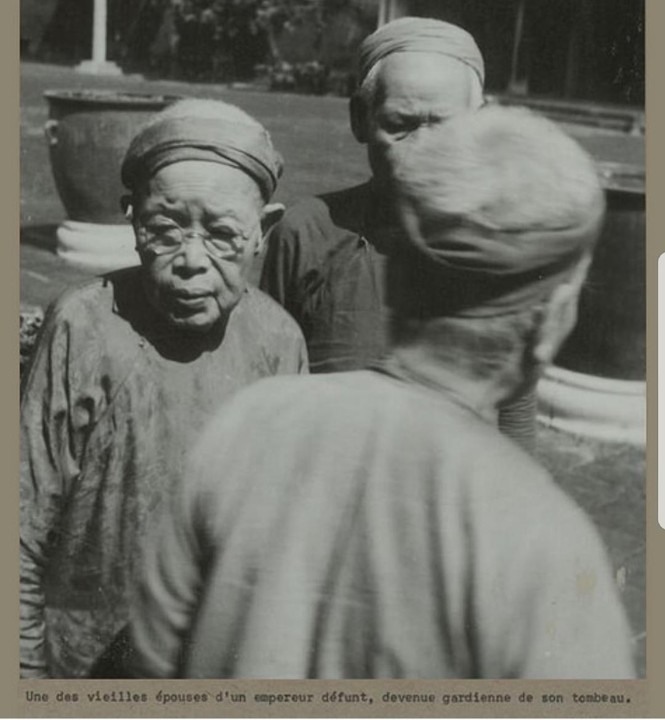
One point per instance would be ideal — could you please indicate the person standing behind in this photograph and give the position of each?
(384, 527)
(129, 368)
(326, 259)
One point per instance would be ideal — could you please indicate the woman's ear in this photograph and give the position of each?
(271, 214)
(560, 314)
(127, 207)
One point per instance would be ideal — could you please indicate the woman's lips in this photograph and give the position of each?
(190, 298)
(188, 294)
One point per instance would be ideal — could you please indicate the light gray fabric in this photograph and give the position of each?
(421, 35)
(375, 529)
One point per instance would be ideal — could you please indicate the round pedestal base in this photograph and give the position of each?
(99, 248)
(601, 408)
(97, 67)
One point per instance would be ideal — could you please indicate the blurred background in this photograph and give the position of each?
(568, 49)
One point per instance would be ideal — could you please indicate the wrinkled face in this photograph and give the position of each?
(414, 91)
(193, 284)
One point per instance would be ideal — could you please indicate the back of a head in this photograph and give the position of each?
(506, 169)
(503, 199)
(499, 208)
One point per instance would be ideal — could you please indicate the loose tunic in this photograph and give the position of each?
(377, 529)
(113, 402)
(326, 263)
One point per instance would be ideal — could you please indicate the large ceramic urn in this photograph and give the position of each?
(88, 133)
(597, 386)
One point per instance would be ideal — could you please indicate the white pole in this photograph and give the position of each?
(515, 84)
(98, 65)
(397, 9)
(383, 12)
(99, 32)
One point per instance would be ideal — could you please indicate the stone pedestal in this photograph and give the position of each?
(96, 247)
(97, 67)
(591, 406)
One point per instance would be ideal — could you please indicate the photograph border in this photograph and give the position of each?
(647, 697)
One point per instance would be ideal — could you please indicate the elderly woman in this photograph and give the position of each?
(130, 367)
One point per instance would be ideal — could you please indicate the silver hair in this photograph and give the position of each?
(501, 168)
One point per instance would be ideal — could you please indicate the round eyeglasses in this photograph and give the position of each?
(169, 239)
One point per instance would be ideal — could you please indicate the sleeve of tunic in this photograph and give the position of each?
(285, 334)
(579, 626)
(295, 360)
(183, 547)
(545, 602)
(278, 339)
(166, 598)
(55, 421)
(302, 362)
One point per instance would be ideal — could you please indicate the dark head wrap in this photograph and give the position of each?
(422, 35)
(241, 145)
(524, 238)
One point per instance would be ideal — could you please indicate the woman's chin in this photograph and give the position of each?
(198, 322)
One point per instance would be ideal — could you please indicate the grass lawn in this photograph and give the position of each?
(320, 154)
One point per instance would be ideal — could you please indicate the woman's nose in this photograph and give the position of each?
(193, 258)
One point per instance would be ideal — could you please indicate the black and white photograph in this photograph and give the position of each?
(332, 340)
